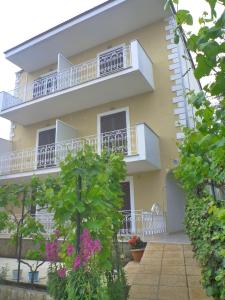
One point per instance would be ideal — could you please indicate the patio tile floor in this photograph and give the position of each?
(167, 271)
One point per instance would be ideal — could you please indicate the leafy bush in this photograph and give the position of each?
(201, 169)
(117, 288)
(86, 203)
(86, 284)
(57, 286)
(206, 232)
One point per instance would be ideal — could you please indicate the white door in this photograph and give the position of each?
(64, 132)
(65, 140)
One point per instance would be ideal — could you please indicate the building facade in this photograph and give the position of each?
(113, 78)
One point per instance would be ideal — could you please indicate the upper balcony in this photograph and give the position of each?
(117, 73)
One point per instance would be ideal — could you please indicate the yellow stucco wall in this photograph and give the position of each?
(149, 187)
(155, 109)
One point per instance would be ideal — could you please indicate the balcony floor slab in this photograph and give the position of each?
(125, 84)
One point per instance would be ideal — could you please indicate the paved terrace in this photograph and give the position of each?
(166, 272)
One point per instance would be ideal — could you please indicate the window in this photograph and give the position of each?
(113, 129)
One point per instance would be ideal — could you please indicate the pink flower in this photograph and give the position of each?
(88, 247)
(61, 272)
(76, 263)
(70, 250)
(85, 236)
(52, 250)
(96, 246)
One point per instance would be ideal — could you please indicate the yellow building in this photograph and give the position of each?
(110, 77)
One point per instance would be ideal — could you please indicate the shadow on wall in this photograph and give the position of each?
(175, 204)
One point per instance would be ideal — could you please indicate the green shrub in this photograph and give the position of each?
(56, 286)
(206, 232)
(86, 205)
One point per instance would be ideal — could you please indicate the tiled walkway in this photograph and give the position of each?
(166, 272)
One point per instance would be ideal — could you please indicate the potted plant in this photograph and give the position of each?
(33, 276)
(137, 248)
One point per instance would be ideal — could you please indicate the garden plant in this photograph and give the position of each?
(83, 250)
(18, 202)
(86, 207)
(201, 168)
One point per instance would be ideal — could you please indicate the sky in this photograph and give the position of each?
(23, 19)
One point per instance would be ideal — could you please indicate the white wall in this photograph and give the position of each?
(190, 83)
(64, 132)
(148, 145)
(5, 146)
(63, 63)
(175, 204)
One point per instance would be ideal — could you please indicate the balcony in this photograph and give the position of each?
(141, 222)
(114, 74)
(139, 144)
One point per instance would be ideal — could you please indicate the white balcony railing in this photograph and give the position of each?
(103, 65)
(49, 156)
(142, 223)
(46, 219)
(139, 222)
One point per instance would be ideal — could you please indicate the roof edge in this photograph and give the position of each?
(60, 25)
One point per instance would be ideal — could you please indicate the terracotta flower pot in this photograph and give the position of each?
(137, 254)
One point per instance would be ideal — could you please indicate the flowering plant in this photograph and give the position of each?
(88, 248)
(136, 243)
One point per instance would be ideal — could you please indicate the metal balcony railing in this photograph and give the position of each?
(110, 62)
(49, 156)
(140, 222)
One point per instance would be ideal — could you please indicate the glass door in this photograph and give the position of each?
(46, 148)
(126, 209)
(114, 132)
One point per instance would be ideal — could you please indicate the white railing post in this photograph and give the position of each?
(1, 100)
(147, 223)
(134, 54)
(140, 136)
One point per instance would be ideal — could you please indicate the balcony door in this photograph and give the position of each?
(126, 196)
(114, 132)
(128, 224)
(46, 148)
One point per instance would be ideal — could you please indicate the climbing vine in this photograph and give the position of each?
(201, 169)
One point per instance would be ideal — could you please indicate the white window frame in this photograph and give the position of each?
(37, 140)
(111, 112)
(130, 179)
